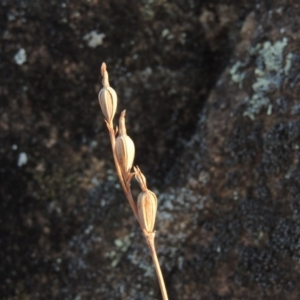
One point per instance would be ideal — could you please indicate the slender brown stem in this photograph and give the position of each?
(149, 236)
(150, 239)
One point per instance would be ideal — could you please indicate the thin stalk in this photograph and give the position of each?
(108, 104)
(149, 236)
(150, 240)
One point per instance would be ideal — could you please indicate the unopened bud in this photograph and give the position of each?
(125, 149)
(107, 97)
(147, 207)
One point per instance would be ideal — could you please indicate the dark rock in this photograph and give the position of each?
(212, 98)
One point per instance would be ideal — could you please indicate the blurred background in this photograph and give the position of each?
(211, 91)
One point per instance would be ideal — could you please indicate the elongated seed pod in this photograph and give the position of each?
(147, 207)
(108, 102)
(125, 152)
(107, 97)
(125, 149)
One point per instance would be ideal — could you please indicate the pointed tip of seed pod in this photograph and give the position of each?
(141, 179)
(137, 169)
(122, 126)
(103, 68)
(105, 81)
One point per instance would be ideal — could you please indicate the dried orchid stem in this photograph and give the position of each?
(150, 241)
(123, 152)
(126, 187)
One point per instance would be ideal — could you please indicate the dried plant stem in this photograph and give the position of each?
(123, 150)
(148, 236)
(150, 240)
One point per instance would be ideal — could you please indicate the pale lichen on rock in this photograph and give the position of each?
(271, 69)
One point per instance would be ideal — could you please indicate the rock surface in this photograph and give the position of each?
(212, 99)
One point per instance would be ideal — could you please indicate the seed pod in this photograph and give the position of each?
(107, 97)
(125, 149)
(108, 102)
(147, 207)
(125, 152)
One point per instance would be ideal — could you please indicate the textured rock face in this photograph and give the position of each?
(220, 146)
(243, 166)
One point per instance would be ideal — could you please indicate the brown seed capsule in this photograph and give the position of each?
(125, 149)
(108, 102)
(107, 97)
(147, 207)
